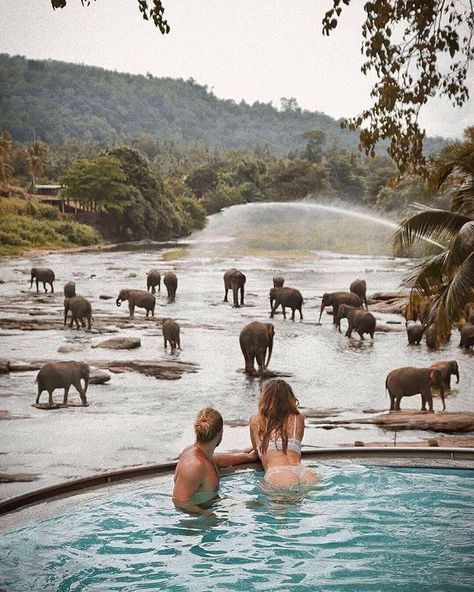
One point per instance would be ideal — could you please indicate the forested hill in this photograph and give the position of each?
(55, 101)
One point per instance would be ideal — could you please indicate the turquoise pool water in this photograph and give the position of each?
(363, 529)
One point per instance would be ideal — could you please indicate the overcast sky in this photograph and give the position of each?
(256, 50)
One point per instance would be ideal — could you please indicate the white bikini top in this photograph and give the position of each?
(294, 445)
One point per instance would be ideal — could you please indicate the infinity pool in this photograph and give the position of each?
(365, 528)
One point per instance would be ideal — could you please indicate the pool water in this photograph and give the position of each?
(364, 528)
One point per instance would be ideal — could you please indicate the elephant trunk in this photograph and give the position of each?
(269, 355)
(118, 302)
(323, 306)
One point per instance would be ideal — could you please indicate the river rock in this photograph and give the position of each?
(120, 343)
(20, 366)
(105, 297)
(4, 366)
(98, 376)
(67, 349)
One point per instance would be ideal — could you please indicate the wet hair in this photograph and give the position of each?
(277, 402)
(208, 424)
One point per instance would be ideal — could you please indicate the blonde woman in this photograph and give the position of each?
(196, 478)
(276, 432)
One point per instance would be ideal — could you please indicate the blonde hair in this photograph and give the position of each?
(208, 424)
(277, 402)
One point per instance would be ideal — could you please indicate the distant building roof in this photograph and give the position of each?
(48, 186)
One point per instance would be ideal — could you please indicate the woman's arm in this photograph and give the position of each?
(253, 422)
(236, 458)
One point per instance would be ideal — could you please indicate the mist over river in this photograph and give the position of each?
(138, 419)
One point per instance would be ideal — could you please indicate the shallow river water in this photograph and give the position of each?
(137, 419)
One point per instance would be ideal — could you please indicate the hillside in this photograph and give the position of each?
(56, 101)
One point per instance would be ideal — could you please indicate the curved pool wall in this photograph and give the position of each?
(458, 458)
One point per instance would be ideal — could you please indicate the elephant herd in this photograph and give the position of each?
(256, 338)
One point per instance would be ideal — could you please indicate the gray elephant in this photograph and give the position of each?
(335, 299)
(153, 279)
(234, 280)
(278, 281)
(431, 337)
(467, 335)
(286, 297)
(469, 313)
(447, 368)
(44, 275)
(139, 298)
(409, 381)
(414, 332)
(62, 375)
(256, 339)
(359, 320)
(171, 332)
(69, 290)
(170, 280)
(359, 287)
(81, 310)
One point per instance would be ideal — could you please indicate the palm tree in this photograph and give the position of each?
(445, 281)
(38, 156)
(6, 149)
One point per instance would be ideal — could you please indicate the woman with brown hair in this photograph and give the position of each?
(196, 478)
(276, 431)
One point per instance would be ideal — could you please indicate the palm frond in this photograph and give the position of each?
(429, 224)
(428, 276)
(461, 246)
(461, 289)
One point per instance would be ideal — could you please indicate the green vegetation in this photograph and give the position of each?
(27, 224)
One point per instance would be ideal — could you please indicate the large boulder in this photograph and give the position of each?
(120, 343)
(67, 349)
(98, 376)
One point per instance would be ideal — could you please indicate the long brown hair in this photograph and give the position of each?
(277, 402)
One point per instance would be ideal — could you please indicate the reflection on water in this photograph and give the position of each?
(137, 419)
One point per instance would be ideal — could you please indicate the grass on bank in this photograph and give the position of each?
(28, 224)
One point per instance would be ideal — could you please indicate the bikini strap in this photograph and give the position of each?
(294, 430)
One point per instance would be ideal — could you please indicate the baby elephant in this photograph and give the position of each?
(70, 290)
(153, 279)
(81, 310)
(234, 280)
(140, 298)
(359, 320)
(409, 381)
(467, 335)
(44, 275)
(171, 333)
(256, 343)
(414, 332)
(170, 280)
(447, 369)
(62, 375)
(286, 297)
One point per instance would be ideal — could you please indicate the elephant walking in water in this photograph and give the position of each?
(234, 280)
(153, 279)
(414, 332)
(286, 297)
(69, 290)
(360, 320)
(81, 310)
(409, 381)
(44, 275)
(140, 298)
(359, 287)
(62, 375)
(335, 299)
(170, 280)
(171, 332)
(467, 335)
(256, 339)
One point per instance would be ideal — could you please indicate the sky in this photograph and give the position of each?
(255, 50)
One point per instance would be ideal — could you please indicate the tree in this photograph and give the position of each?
(314, 147)
(446, 280)
(6, 150)
(99, 183)
(38, 159)
(406, 43)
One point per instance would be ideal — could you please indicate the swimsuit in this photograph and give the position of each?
(294, 445)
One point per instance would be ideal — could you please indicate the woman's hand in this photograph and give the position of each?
(252, 454)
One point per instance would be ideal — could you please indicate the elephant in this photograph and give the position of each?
(256, 339)
(467, 335)
(278, 281)
(70, 290)
(414, 332)
(44, 275)
(153, 279)
(171, 282)
(139, 298)
(81, 310)
(409, 381)
(171, 333)
(234, 280)
(286, 297)
(431, 337)
(469, 313)
(359, 320)
(62, 375)
(359, 287)
(447, 368)
(335, 299)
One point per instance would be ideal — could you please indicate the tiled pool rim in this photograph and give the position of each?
(418, 457)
